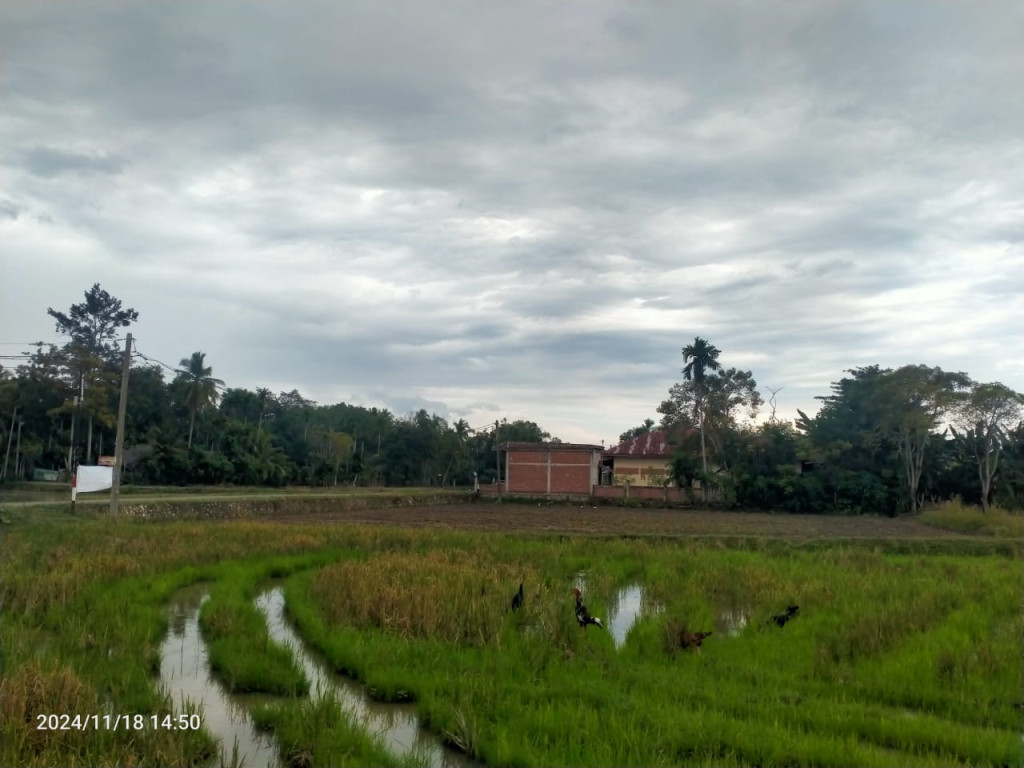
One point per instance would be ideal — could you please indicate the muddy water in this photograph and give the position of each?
(185, 674)
(397, 724)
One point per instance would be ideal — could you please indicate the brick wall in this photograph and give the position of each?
(569, 479)
(551, 471)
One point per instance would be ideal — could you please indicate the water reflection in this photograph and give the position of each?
(628, 606)
(397, 724)
(185, 675)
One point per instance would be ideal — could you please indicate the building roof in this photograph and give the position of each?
(654, 443)
(518, 446)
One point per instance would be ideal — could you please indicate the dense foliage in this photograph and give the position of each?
(883, 441)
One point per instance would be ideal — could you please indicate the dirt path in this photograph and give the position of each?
(615, 520)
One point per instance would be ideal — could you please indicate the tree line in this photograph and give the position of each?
(184, 426)
(884, 441)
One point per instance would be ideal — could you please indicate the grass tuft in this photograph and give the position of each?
(954, 515)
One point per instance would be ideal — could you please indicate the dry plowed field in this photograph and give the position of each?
(629, 521)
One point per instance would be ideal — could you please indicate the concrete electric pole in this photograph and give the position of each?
(122, 407)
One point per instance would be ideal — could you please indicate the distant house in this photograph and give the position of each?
(641, 460)
(551, 468)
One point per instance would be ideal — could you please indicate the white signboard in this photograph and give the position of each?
(89, 479)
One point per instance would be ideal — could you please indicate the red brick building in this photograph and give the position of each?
(551, 468)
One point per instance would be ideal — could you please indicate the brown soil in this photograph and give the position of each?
(575, 519)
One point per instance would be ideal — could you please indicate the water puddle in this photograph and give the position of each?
(731, 621)
(626, 608)
(397, 724)
(185, 674)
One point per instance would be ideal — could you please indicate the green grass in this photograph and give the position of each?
(240, 650)
(895, 659)
(956, 516)
(904, 653)
(319, 733)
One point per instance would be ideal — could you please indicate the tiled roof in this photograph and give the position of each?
(654, 443)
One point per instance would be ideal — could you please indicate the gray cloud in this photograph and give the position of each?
(47, 162)
(9, 210)
(521, 210)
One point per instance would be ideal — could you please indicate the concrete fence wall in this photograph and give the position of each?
(642, 493)
(664, 495)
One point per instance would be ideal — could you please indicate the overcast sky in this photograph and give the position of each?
(521, 210)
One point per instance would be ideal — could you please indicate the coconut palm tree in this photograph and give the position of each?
(264, 396)
(458, 438)
(700, 357)
(200, 387)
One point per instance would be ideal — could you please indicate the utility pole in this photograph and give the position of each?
(122, 407)
(497, 459)
(10, 434)
(72, 453)
(17, 454)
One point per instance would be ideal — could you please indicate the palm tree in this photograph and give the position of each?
(700, 357)
(459, 435)
(200, 386)
(264, 396)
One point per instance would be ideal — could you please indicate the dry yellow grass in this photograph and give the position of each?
(954, 515)
(446, 595)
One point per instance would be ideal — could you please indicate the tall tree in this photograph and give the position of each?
(729, 395)
(984, 416)
(92, 353)
(458, 436)
(916, 399)
(94, 323)
(266, 398)
(700, 357)
(200, 387)
(856, 451)
(721, 399)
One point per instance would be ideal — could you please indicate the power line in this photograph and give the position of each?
(176, 371)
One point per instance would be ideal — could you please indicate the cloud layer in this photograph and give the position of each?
(521, 210)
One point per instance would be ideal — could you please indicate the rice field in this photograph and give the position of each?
(903, 652)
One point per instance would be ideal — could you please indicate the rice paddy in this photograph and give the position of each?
(902, 652)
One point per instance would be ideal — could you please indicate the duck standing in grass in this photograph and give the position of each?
(689, 639)
(780, 619)
(582, 614)
(517, 598)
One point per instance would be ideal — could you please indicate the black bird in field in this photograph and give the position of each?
(517, 598)
(780, 619)
(582, 614)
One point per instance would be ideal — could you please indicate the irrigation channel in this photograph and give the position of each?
(185, 673)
